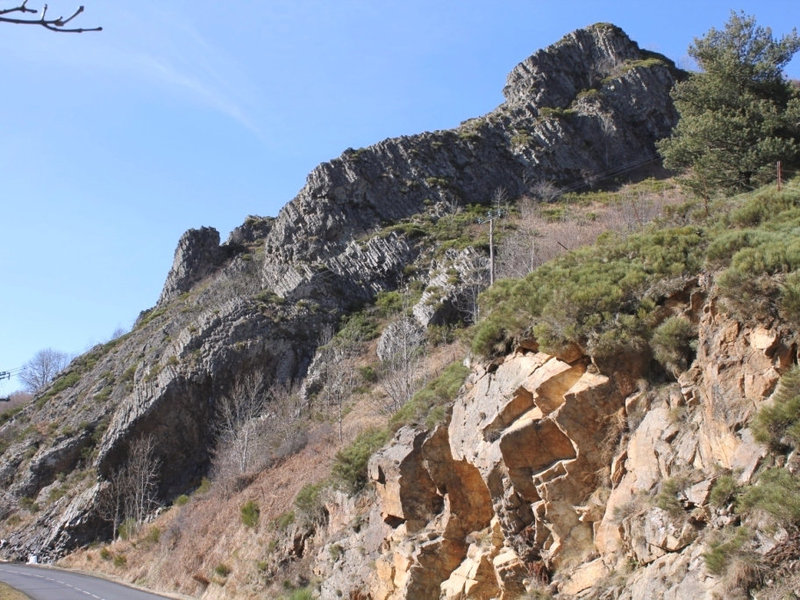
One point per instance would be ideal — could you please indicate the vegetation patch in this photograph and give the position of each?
(309, 500)
(283, 521)
(674, 343)
(777, 493)
(605, 298)
(350, 464)
(722, 551)
(222, 570)
(429, 405)
(778, 424)
(250, 513)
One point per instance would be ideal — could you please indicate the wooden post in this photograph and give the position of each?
(491, 251)
(779, 176)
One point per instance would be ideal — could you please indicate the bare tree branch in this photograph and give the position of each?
(56, 24)
(39, 371)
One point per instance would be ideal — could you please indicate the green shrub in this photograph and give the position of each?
(350, 464)
(222, 570)
(358, 327)
(282, 521)
(153, 535)
(593, 293)
(789, 299)
(521, 139)
(429, 404)
(667, 498)
(204, 487)
(724, 491)
(29, 504)
(10, 414)
(674, 343)
(250, 513)
(389, 302)
(59, 385)
(120, 560)
(181, 500)
(721, 552)
(335, 551)
(309, 500)
(105, 554)
(764, 206)
(56, 493)
(368, 373)
(777, 492)
(778, 424)
(301, 594)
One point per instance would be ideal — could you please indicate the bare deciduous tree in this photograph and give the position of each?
(400, 352)
(143, 467)
(131, 492)
(237, 415)
(473, 278)
(52, 23)
(42, 369)
(340, 377)
(256, 425)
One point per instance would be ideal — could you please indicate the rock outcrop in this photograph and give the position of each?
(550, 475)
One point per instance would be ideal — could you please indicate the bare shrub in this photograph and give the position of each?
(131, 493)
(42, 369)
(256, 426)
(544, 232)
(401, 358)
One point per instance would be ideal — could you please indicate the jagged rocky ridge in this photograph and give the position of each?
(590, 106)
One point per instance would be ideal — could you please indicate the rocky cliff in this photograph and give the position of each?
(549, 475)
(588, 108)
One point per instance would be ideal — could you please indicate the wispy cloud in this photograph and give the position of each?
(152, 49)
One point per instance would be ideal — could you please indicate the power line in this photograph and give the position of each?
(10, 373)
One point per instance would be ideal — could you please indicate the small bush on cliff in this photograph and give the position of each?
(430, 403)
(667, 498)
(778, 424)
(301, 594)
(309, 501)
(723, 550)
(350, 464)
(674, 343)
(282, 521)
(724, 491)
(250, 513)
(777, 493)
(222, 570)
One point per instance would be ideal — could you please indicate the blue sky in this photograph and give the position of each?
(183, 114)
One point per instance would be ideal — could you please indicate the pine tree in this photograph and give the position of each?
(738, 115)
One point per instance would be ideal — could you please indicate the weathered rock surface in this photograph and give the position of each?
(557, 476)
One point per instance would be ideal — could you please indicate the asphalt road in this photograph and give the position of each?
(41, 583)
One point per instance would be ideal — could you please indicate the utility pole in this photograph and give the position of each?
(491, 251)
(491, 215)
